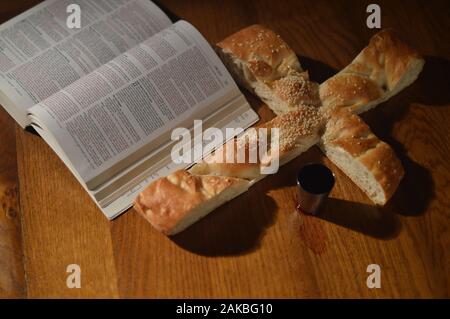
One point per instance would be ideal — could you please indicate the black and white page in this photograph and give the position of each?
(40, 54)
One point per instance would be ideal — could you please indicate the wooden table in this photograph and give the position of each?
(256, 245)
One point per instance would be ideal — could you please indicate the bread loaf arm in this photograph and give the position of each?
(175, 202)
(262, 62)
(369, 162)
(381, 70)
(298, 130)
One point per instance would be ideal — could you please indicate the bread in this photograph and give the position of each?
(293, 90)
(175, 202)
(216, 164)
(263, 63)
(259, 53)
(382, 69)
(298, 131)
(368, 162)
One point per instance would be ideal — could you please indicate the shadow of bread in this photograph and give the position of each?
(318, 71)
(235, 228)
(415, 191)
(432, 84)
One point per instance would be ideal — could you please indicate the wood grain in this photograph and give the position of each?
(12, 276)
(61, 226)
(257, 245)
(12, 283)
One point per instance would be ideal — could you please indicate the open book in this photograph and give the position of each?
(106, 96)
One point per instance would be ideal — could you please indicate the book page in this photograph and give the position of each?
(116, 196)
(128, 107)
(40, 54)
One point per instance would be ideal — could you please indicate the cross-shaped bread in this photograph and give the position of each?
(308, 114)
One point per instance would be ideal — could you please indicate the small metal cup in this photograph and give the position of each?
(315, 182)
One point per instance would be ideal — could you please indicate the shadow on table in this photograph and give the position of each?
(318, 71)
(433, 82)
(430, 90)
(415, 191)
(235, 228)
(367, 219)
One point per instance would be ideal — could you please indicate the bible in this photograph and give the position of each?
(106, 96)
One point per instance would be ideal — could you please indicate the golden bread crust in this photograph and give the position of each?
(166, 201)
(346, 130)
(264, 52)
(382, 69)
